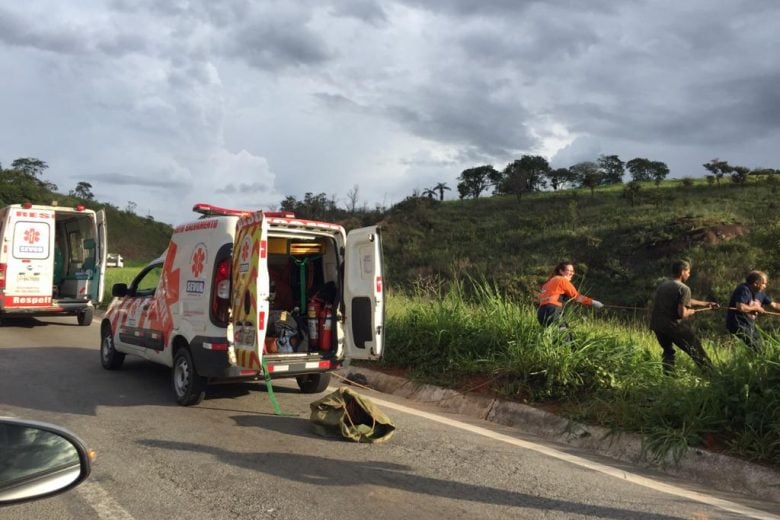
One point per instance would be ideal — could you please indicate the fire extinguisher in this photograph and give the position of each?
(313, 318)
(326, 329)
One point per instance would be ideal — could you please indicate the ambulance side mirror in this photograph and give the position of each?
(119, 290)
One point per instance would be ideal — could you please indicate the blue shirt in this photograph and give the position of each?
(736, 320)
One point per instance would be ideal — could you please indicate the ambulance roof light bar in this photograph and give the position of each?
(207, 210)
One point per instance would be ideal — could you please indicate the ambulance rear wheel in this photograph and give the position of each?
(313, 383)
(85, 317)
(109, 357)
(190, 388)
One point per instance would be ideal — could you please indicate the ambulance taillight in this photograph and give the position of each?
(3, 268)
(220, 294)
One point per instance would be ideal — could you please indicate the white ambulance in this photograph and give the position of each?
(52, 261)
(241, 294)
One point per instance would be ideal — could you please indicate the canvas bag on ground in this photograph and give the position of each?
(346, 413)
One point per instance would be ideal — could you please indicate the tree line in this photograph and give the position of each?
(533, 173)
(24, 181)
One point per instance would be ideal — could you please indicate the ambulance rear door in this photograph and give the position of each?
(364, 313)
(30, 268)
(102, 245)
(250, 290)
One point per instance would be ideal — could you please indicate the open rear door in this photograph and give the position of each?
(102, 247)
(250, 290)
(364, 295)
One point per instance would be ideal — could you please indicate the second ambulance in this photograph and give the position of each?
(240, 294)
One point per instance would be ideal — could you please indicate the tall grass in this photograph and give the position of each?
(602, 371)
(117, 275)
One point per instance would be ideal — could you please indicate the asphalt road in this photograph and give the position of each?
(231, 457)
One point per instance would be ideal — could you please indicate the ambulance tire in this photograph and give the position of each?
(109, 357)
(313, 383)
(85, 317)
(189, 387)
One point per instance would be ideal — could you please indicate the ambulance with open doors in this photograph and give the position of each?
(241, 294)
(52, 261)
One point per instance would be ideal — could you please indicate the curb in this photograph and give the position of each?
(714, 470)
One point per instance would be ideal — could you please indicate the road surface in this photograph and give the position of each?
(232, 458)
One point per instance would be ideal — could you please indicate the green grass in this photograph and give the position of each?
(608, 373)
(117, 275)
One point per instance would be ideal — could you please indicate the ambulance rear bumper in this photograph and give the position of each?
(58, 308)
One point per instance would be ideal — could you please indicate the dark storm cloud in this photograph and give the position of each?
(501, 8)
(338, 102)
(467, 116)
(66, 38)
(122, 179)
(20, 32)
(278, 44)
(368, 11)
(728, 112)
(243, 188)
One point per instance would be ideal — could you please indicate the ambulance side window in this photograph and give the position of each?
(147, 281)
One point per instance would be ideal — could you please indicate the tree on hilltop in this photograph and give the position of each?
(474, 181)
(587, 175)
(30, 166)
(718, 168)
(523, 175)
(612, 169)
(559, 177)
(441, 187)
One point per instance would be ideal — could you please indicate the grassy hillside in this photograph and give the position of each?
(137, 239)
(621, 250)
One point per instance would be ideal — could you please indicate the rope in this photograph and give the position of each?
(765, 312)
(623, 307)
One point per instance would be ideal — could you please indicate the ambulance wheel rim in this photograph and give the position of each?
(190, 388)
(110, 358)
(182, 376)
(106, 349)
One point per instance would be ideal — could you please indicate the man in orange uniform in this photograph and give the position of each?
(557, 291)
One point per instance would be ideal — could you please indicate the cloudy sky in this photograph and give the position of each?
(239, 103)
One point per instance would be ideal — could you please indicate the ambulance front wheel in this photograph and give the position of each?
(109, 357)
(85, 317)
(190, 388)
(313, 383)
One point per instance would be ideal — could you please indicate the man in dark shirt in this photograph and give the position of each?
(673, 304)
(747, 302)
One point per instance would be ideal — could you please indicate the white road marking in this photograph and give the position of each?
(98, 499)
(726, 505)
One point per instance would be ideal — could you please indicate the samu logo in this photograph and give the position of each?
(32, 235)
(198, 260)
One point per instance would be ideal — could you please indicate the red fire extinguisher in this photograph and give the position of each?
(313, 321)
(326, 330)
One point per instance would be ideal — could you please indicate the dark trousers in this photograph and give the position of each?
(749, 335)
(548, 314)
(686, 341)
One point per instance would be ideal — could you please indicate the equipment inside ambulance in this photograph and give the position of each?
(52, 261)
(248, 295)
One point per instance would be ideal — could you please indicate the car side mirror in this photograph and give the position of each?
(38, 460)
(119, 290)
